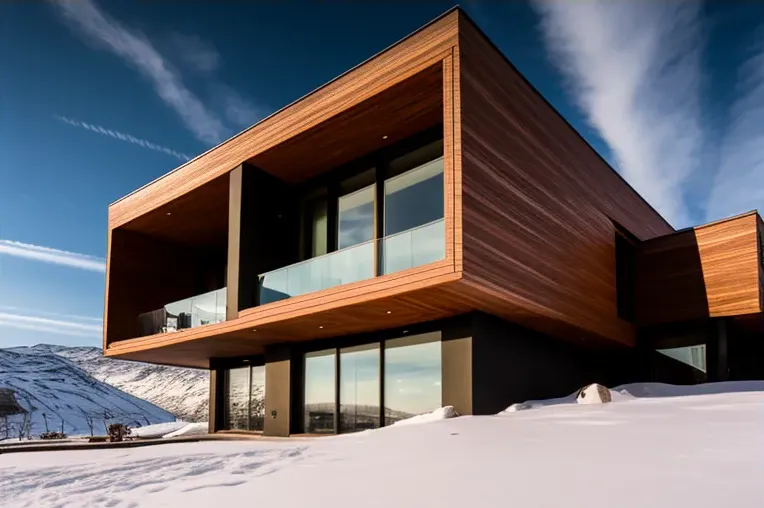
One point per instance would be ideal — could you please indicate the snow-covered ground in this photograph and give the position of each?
(700, 451)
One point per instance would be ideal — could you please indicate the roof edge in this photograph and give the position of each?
(361, 64)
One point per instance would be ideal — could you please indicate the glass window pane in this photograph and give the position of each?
(694, 356)
(237, 399)
(412, 376)
(359, 388)
(414, 198)
(356, 218)
(257, 398)
(320, 392)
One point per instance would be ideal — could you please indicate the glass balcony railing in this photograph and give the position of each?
(414, 247)
(204, 309)
(408, 249)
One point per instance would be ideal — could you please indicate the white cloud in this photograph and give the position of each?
(739, 183)
(54, 256)
(135, 49)
(75, 326)
(635, 70)
(124, 137)
(196, 53)
(74, 317)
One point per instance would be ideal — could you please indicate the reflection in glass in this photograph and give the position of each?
(355, 218)
(414, 198)
(320, 392)
(257, 398)
(237, 399)
(415, 247)
(412, 376)
(359, 388)
(694, 356)
(340, 267)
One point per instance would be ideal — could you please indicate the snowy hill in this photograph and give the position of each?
(57, 393)
(183, 392)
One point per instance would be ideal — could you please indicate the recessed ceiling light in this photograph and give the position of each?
(389, 312)
(384, 137)
(254, 329)
(245, 361)
(321, 326)
(169, 213)
(405, 331)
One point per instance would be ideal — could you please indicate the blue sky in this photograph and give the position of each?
(97, 99)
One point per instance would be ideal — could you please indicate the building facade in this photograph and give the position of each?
(424, 230)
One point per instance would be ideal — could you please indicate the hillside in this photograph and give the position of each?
(183, 392)
(58, 394)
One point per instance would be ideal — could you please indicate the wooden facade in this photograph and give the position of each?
(709, 271)
(531, 211)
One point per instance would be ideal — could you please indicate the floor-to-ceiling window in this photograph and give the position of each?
(359, 388)
(320, 392)
(405, 372)
(414, 227)
(412, 376)
(245, 398)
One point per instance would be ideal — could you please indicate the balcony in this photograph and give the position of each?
(408, 249)
(199, 310)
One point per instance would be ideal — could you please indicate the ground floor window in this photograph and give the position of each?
(245, 398)
(360, 387)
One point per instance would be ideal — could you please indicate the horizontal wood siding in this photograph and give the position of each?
(537, 203)
(708, 271)
(401, 61)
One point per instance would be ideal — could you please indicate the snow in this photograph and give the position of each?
(157, 430)
(192, 429)
(703, 450)
(439, 414)
(60, 394)
(181, 391)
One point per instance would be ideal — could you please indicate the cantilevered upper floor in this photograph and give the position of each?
(428, 181)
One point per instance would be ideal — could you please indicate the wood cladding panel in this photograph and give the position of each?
(405, 109)
(136, 286)
(432, 298)
(538, 202)
(708, 271)
(423, 49)
(198, 218)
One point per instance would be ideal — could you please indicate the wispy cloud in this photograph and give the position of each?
(123, 137)
(54, 256)
(196, 53)
(136, 49)
(30, 312)
(50, 326)
(635, 70)
(739, 183)
(208, 124)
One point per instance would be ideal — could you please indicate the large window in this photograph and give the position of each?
(245, 398)
(359, 388)
(406, 372)
(355, 210)
(412, 376)
(320, 390)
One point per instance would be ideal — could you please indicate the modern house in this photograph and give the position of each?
(424, 230)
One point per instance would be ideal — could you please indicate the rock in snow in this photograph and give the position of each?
(593, 394)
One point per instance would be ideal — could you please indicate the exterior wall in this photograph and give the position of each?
(278, 391)
(538, 204)
(708, 271)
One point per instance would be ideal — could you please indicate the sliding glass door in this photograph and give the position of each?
(245, 398)
(359, 388)
(344, 387)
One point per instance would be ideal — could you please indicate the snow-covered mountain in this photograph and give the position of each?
(183, 392)
(59, 395)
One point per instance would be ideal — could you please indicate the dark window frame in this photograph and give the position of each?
(625, 246)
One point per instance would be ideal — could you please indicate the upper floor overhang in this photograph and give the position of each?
(710, 271)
